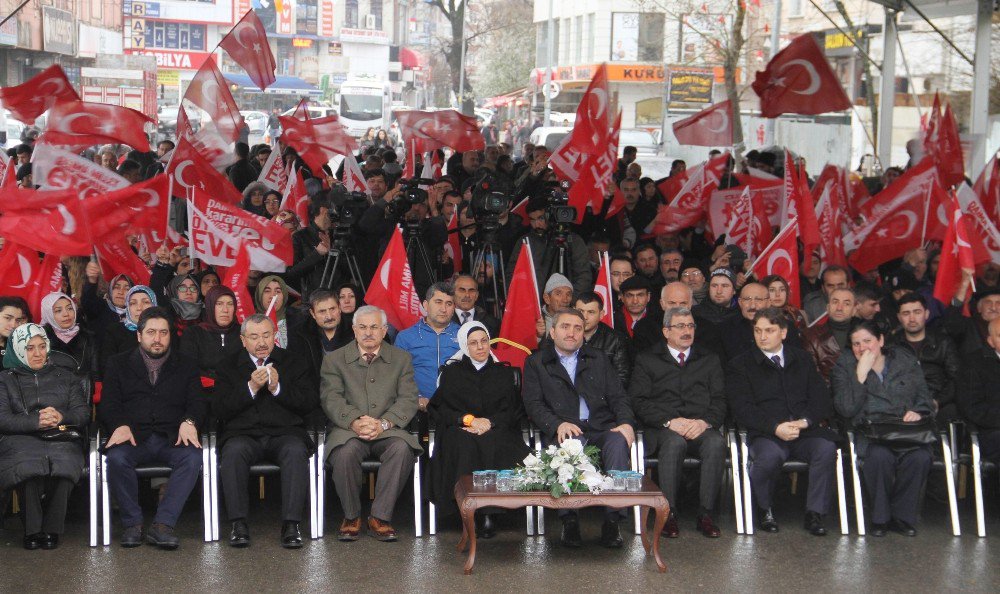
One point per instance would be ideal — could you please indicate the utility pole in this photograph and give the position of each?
(549, 50)
(775, 42)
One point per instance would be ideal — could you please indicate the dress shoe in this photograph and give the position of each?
(380, 530)
(571, 532)
(240, 536)
(611, 535)
(902, 527)
(879, 530)
(487, 529)
(132, 536)
(33, 541)
(767, 521)
(707, 527)
(814, 524)
(290, 536)
(671, 529)
(162, 536)
(50, 542)
(349, 530)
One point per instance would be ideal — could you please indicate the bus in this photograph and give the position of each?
(365, 103)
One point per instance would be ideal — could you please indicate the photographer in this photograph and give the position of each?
(546, 237)
(311, 245)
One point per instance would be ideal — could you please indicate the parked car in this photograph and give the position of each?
(549, 136)
(643, 141)
(315, 111)
(166, 116)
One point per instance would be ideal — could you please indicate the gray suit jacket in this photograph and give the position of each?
(350, 388)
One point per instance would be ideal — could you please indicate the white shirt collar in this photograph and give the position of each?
(459, 311)
(780, 352)
(674, 352)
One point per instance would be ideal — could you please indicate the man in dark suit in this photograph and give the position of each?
(466, 308)
(637, 318)
(571, 390)
(677, 393)
(152, 407)
(978, 397)
(737, 334)
(320, 334)
(261, 397)
(777, 394)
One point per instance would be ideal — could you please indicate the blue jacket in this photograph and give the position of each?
(429, 350)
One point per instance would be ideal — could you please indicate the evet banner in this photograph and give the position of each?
(216, 230)
(56, 169)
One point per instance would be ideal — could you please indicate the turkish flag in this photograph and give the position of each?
(602, 286)
(987, 188)
(749, 227)
(517, 327)
(48, 279)
(210, 91)
(235, 277)
(9, 179)
(115, 256)
(48, 222)
(947, 151)
(48, 88)
(617, 202)
(354, 180)
(273, 174)
(217, 228)
(712, 126)
(687, 194)
(930, 125)
(191, 171)
(956, 254)
(56, 169)
(594, 175)
(521, 209)
(799, 204)
(985, 238)
(317, 140)
(83, 123)
(782, 258)
(429, 130)
(135, 208)
(798, 79)
(18, 264)
(247, 44)
(295, 198)
(454, 246)
(392, 287)
(154, 238)
(593, 117)
(432, 167)
(829, 219)
(897, 222)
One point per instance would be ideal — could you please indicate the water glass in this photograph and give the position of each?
(620, 482)
(491, 479)
(479, 479)
(504, 482)
(633, 482)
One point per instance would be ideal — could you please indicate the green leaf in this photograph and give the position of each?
(556, 490)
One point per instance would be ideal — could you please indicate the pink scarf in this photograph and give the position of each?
(48, 302)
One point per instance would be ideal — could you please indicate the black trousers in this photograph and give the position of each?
(894, 481)
(709, 447)
(768, 455)
(51, 519)
(615, 455)
(241, 452)
(989, 444)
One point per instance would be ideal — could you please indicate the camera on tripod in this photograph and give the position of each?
(410, 193)
(560, 213)
(353, 206)
(487, 204)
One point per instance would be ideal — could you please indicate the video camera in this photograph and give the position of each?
(560, 213)
(488, 203)
(410, 193)
(352, 206)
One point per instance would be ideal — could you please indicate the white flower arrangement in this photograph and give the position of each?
(567, 468)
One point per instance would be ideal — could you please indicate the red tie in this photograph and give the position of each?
(680, 359)
(369, 357)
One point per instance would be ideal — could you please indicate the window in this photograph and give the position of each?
(591, 23)
(794, 8)
(564, 46)
(648, 112)
(350, 13)
(176, 36)
(637, 36)
(376, 9)
(306, 16)
(579, 40)
(542, 44)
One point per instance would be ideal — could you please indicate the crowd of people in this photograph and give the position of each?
(698, 344)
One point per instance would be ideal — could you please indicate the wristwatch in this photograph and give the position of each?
(385, 424)
(667, 425)
(190, 421)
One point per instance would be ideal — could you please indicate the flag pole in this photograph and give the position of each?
(927, 209)
(170, 200)
(191, 252)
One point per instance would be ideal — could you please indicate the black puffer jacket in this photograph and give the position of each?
(940, 363)
(23, 393)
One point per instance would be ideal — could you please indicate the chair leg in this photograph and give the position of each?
(977, 479)
(747, 497)
(949, 475)
(105, 505)
(859, 502)
(213, 465)
(539, 511)
(313, 511)
(636, 511)
(320, 484)
(842, 494)
(92, 478)
(418, 520)
(431, 508)
(207, 502)
(734, 473)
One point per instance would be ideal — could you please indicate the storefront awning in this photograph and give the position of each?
(284, 85)
(409, 58)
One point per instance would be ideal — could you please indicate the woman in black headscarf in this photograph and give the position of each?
(185, 302)
(217, 337)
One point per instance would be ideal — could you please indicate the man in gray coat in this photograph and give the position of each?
(369, 394)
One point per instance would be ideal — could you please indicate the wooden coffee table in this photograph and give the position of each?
(469, 499)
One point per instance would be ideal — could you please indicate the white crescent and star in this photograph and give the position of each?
(25, 265)
(911, 222)
(418, 128)
(722, 128)
(814, 82)
(383, 274)
(179, 173)
(602, 102)
(65, 123)
(778, 256)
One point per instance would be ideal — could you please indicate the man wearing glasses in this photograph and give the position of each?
(737, 333)
(677, 392)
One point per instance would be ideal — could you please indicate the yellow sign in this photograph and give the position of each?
(168, 78)
(835, 41)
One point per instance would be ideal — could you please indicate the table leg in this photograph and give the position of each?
(643, 527)
(469, 533)
(662, 511)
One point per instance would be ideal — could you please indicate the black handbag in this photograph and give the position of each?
(61, 433)
(897, 433)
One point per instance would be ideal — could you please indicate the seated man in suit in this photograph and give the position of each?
(678, 394)
(737, 334)
(319, 335)
(368, 392)
(152, 407)
(777, 394)
(572, 390)
(466, 308)
(261, 396)
(978, 397)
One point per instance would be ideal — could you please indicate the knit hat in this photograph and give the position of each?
(555, 281)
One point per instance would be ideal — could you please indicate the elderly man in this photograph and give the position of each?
(368, 392)
(572, 390)
(432, 340)
(833, 278)
(978, 398)
(261, 396)
(779, 397)
(678, 394)
(970, 334)
(466, 308)
(152, 407)
(826, 339)
(557, 295)
(737, 333)
(679, 294)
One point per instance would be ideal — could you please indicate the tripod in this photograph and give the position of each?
(341, 253)
(490, 252)
(415, 247)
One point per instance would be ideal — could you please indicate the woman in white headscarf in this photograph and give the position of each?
(477, 413)
(66, 335)
(37, 397)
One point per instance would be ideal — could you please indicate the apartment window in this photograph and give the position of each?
(579, 39)
(376, 9)
(542, 44)
(591, 24)
(350, 13)
(637, 36)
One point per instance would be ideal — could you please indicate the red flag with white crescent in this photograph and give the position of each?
(392, 287)
(956, 254)
(236, 277)
(454, 245)
(781, 257)
(798, 79)
(712, 126)
(247, 44)
(28, 100)
(115, 256)
(517, 329)
(603, 288)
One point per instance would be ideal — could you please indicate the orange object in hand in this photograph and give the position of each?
(467, 420)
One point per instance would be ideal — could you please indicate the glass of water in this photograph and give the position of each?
(619, 478)
(479, 479)
(633, 482)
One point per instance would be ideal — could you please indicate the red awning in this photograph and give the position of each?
(409, 58)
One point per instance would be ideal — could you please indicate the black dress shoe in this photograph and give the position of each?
(240, 537)
(290, 537)
(571, 532)
(33, 541)
(707, 527)
(611, 535)
(879, 530)
(163, 536)
(902, 527)
(814, 524)
(487, 529)
(767, 521)
(132, 536)
(50, 542)
(671, 529)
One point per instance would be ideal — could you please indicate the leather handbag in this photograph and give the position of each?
(61, 433)
(900, 434)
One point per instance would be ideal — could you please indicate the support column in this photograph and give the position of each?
(887, 94)
(981, 88)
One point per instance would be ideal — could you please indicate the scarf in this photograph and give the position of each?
(211, 298)
(185, 310)
(154, 364)
(130, 324)
(463, 343)
(16, 355)
(121, 311)
(262, 306)
(48, 302)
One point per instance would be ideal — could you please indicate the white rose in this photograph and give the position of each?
(566, 473)
(573, 447)
(556, 462)
(531, 460)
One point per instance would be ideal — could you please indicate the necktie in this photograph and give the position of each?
(465, 316)
(260, 362)
(680, 359)
(369, 357)
(776, 359)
